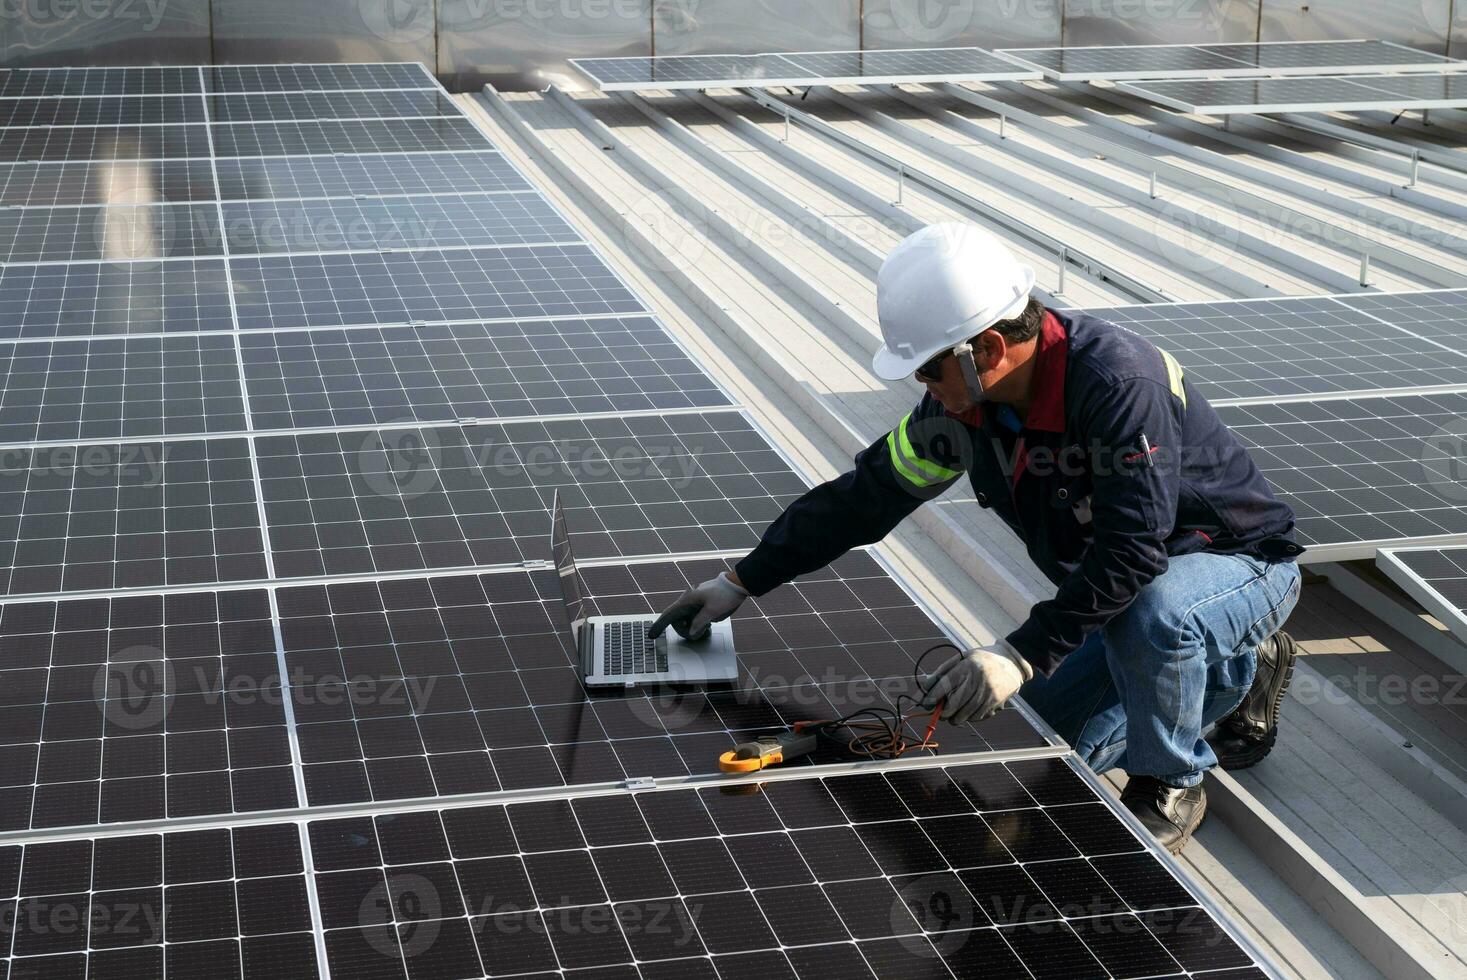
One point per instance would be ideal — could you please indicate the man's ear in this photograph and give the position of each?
(989, 348)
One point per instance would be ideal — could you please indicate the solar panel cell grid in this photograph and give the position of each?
(393, 500)
(345, 136)
(129, 515)
(315, 78)
(113, 233)
(454, 371)
(114, 298)
(1437, 577)
(141, 708)
(33, 82)
(1267, 349)
(1221, 97)
(113, 143)
(399, 287)
(1362, 470)
(787, 879)
(101, 112)
(1223, 60)
(53, 184)
(258, 178)
(399, 222)
(1439, 315)
(107, 389)
(423, 687)
(219, 903)
(299, 106)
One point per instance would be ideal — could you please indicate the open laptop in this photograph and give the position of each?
(615, 651)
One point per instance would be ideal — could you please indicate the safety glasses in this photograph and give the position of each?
(932, 370)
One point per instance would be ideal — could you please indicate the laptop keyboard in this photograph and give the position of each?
(628, 651)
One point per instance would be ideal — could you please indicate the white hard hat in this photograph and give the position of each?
(939, 287)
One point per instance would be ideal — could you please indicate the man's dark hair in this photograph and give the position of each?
(1025, 326)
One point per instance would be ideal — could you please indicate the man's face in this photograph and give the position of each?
(951, 391)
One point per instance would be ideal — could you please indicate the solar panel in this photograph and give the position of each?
(1362, 472)
(1438, 314)
(432, 687)
(33, 82)
(121, 111)
(1220, 97)
(86, 300)
(216, 902)
(400, 287)
(56, 184)
(370, 224)
(141, 708)
(1436, 577)
(316, 78)
(912, 873)
(112, 233)
(799, 68)
(404, 499)
(1265, 350)
(112, 143)
(1134, 61)
(387, 175)
(123, 388)
(298, 106)
(345, 136)
(128, 515)
(328, 378)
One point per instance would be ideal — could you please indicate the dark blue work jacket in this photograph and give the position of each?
(1119, 465)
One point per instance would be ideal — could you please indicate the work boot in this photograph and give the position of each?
(1244, 737)
(1171, 815)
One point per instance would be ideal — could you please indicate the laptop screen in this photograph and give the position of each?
(571, 589)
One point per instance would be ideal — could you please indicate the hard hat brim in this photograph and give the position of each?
(891, 366)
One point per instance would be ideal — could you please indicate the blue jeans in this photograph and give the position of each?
(1140, 692)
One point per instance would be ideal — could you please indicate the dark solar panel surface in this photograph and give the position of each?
(119, 388)
(372, 685)
(51, 184)
(1362, 470)
(374, 224)
(397, 287)
(446, 372)
(445, 497)
(981, 870)
(140, 708)
(424, 687)
(386, 175)
(1437, 577)
(1221, 60)
(215, 903)
(1268, 349)
(91, 299)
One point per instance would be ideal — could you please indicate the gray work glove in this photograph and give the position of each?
(697, 609)
(976, 684)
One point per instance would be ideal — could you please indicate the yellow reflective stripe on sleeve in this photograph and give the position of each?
(1174, 376)
(916, 470)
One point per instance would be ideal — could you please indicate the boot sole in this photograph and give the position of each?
(1263, 745)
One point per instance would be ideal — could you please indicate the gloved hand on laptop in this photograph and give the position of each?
(697, 609)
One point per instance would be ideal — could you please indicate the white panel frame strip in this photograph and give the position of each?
(1392, 563)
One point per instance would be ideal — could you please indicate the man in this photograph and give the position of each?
(1173, 561)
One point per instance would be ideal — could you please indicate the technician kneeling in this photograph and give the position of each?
(1173, 561)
